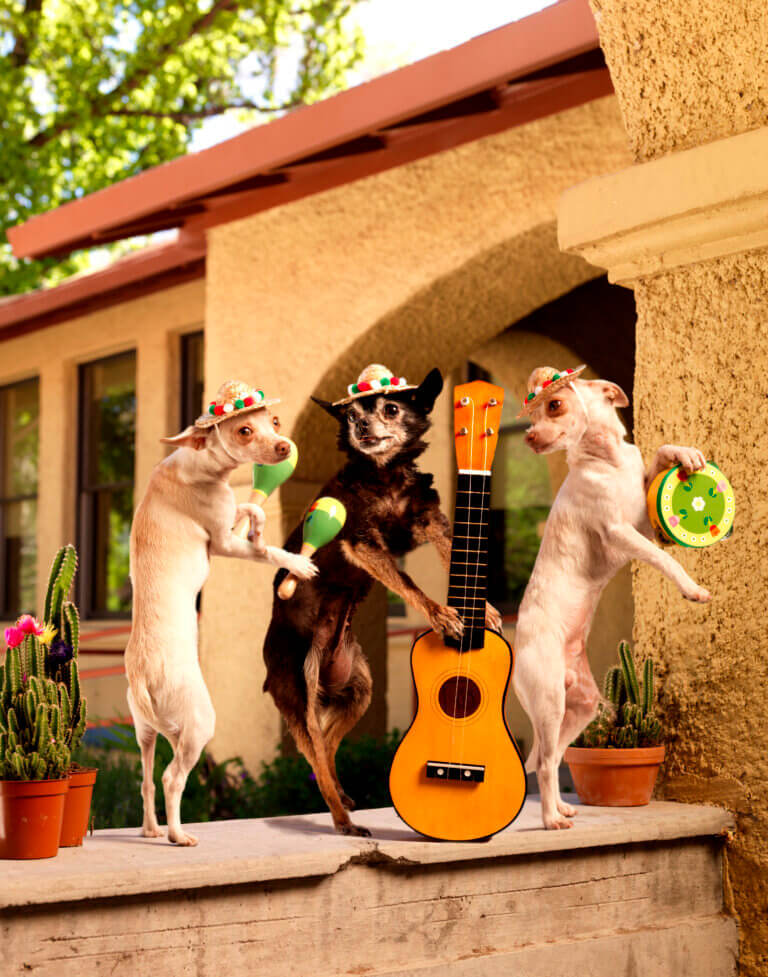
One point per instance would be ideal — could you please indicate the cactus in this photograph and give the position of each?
(32, 736)
(625, 718)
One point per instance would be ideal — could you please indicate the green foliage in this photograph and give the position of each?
(625, 718)
(93, 91)
(32, 744)
(221, 791)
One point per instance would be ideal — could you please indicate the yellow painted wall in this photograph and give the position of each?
(414, 267)
(151, 325)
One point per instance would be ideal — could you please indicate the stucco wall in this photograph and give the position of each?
(150, 325)
(685, 71)
(413, 267)
(702, 378)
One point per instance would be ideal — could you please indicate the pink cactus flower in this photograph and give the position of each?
(29, 625)
(673, 520)
(721, 486)
(13, 637)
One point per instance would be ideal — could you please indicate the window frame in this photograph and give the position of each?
(6, 613)
(188, 412)
(84, 530)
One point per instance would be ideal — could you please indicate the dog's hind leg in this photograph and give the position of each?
(343, 713)
(187, 749)
(146, 737)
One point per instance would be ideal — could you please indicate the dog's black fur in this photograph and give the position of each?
(316, 670)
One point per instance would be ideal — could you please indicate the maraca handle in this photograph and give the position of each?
(287, 588)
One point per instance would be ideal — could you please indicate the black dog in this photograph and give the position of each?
(316, 670)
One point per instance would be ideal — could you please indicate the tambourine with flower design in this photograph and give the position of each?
(693, 510)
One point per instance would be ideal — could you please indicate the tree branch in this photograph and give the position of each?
(19, 55)
(102, 106)
(190, 115)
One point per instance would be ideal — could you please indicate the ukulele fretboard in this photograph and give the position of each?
(467, 583)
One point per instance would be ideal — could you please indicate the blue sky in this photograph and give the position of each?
(398, 32)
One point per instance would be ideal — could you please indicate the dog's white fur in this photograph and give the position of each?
(598, 523)
(186, 516)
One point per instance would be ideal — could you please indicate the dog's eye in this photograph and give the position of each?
(245, 431)
(391, 410)
(553, 405)
(276, 423)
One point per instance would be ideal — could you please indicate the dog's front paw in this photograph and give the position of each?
(181, 838)
(689, 459)
(698, 595)
(493, 619)
(445, 619)
(557, 823)
(300, 566)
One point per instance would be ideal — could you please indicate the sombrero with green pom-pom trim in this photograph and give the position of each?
(375, 379)
(547, 381)
(232, 398)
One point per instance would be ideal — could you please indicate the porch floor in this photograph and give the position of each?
(624, 891)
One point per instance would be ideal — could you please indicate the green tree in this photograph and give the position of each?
(93, 91)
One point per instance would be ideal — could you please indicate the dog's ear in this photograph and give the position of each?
(335, 412)
(192, 437)
(428, 390)
(612, 393)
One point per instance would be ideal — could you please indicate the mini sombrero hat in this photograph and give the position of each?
(375, 379)
(545, 380)
(232, 398)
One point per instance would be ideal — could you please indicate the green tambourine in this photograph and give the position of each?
(693, 510)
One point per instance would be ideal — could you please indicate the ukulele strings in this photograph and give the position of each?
(477, 571)
(464, 600)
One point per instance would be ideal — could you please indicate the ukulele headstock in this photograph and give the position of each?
(476, 419)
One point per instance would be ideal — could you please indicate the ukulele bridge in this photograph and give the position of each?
(468, 773)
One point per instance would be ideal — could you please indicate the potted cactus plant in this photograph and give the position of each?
(55, 642)
(615, 761)
(62, 616)
(34, 757)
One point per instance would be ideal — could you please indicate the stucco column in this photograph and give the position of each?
(688, 233)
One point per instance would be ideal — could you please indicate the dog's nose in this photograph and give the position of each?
(282, 449)
(530, 436)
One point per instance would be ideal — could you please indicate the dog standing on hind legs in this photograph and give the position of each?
(186, 516)
(597, 524)
(316, 670)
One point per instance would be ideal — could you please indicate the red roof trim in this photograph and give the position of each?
(345, 123)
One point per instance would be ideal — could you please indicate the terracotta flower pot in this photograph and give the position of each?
(31, 812)
(613, 777)
(77, 807)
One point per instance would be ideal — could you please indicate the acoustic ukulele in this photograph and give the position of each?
(458, 775)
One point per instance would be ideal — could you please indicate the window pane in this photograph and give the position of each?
(112, 527)
(192, 352)
(111, 421)
(19, 438)
(19, 549)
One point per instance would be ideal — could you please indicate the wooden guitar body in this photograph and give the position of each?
(458, 775)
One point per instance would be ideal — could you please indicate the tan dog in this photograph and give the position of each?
(186, 516)
(598, 523)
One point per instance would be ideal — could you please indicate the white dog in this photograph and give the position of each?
(186, 516)
(597, 524)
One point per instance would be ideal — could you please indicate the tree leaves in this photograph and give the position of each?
(94, 91)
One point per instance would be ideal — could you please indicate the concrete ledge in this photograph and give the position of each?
(119, 863)
(689, 206)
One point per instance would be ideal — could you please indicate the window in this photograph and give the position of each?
(107, 435)
(521, 497)
(19, 439)
(192, 349)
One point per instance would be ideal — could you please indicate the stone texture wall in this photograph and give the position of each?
(685, 71)
(702, 379)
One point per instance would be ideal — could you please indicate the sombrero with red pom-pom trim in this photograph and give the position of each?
(375, 379)
(543, 382)
(232, 398)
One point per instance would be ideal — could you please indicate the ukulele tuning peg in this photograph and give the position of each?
(462, 432)
(492, 402)
(464, 402)
(488, 432)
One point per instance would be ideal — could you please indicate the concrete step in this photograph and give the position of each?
(625, 891)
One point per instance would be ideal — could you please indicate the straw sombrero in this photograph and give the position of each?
(232, 398)
(543, 382)
(375, 379)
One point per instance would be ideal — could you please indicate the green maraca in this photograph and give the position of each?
(267, 478)
(322, 523)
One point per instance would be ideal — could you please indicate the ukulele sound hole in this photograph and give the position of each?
(459, 697)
